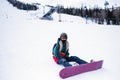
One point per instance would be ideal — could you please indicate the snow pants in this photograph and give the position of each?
(65, 61)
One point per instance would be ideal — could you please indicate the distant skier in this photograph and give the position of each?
(61, 52)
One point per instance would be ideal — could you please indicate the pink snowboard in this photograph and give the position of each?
(74, 70)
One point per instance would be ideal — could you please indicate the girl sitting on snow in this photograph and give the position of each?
(61, 52)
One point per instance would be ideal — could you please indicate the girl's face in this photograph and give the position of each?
(63, 38)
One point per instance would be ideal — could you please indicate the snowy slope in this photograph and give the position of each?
(26, 44)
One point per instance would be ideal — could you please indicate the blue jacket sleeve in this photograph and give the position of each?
(56, 50)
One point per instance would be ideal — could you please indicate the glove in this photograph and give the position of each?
(62, 61)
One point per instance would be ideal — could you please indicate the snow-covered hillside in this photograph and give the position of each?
(26, 43)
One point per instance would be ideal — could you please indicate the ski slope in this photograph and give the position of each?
(26, 44)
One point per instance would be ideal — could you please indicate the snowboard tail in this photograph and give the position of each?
(74, 70)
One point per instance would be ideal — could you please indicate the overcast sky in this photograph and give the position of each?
(77, 3)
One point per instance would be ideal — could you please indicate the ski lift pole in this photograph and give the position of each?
(43, 10)
(59, 13)
(59, 7)
(27, 7)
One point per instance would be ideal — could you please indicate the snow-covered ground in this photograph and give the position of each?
(26, 44)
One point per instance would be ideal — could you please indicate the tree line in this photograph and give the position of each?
(23, 6)
(110, 16)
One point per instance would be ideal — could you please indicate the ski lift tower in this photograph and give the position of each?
(59, 17)
(106, 4)
(59, 7)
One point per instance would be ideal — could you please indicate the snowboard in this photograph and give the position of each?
(75, 70)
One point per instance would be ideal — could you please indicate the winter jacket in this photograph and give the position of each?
(59, 48)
